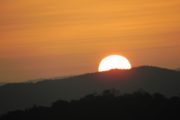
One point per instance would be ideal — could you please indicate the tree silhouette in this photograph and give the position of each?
(139, 105)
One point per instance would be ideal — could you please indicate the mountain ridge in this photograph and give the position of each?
(152, 79)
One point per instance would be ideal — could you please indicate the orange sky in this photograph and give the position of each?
(47, 38)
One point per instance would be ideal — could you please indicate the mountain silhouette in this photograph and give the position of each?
(151, 79)
(178, 69)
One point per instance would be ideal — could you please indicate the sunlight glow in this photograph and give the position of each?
(114, 62)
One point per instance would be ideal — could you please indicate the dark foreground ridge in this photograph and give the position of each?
(109, 105)
(151, 79)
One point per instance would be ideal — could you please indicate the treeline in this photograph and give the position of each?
(110, 105)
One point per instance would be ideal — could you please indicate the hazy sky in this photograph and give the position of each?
(47, 38)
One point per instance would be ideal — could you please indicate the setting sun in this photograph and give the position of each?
(114, 62)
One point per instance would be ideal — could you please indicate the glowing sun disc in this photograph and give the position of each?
(114, 62)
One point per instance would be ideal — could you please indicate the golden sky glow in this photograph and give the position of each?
(46, 38)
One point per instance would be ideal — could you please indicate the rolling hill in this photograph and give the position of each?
(151, 79)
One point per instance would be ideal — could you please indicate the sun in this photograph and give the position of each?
(114, 62)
